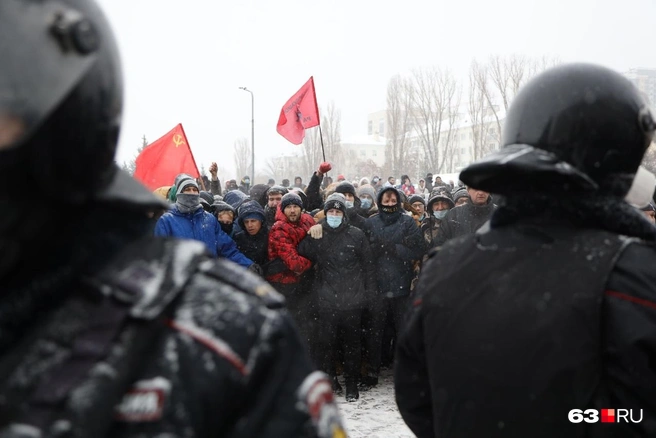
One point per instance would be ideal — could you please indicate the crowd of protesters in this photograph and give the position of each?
(345, 255)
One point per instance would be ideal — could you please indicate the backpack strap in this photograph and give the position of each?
(125, 305)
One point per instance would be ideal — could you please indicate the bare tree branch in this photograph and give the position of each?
(242, 156)
(435, 98)
(399, 123)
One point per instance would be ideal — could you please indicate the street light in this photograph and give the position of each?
(252, 135)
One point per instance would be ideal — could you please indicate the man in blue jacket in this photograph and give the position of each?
(188, 220)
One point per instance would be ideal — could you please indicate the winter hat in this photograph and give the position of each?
(250, 210)
(345, 187)
(206, 198)
(290, 199)
(364, 181)
(460, 192)
(257, 193)
(416, 198)
(366, 189)
(181, 177)
(379, 199)
(277, 189)
(184, 184)
(440, 196)
(337, 201)
(302, 194)
(235, 198)
(221, 206)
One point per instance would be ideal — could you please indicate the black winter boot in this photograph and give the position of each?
(352, 393)
(337, 388)
(368, 382)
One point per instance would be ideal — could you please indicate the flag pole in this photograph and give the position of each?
(323, 151)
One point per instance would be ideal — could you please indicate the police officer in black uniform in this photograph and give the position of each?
(553, 306)
(104, 329)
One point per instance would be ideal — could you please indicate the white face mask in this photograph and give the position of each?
(349, 204)
(440, 214)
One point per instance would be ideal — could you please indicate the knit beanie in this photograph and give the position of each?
(345, 187)
(336, 201)
(184, 184)
(290, 199)
(460, 192)
(416, 198)
(366, 189)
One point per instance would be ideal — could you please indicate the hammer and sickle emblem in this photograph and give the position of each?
(178, 140)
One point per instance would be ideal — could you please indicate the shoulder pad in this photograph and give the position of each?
(244, 281)
(150, 273)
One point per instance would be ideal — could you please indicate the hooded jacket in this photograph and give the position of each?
(396, 242)
(202, 226)
(284, 239)
(254, 247)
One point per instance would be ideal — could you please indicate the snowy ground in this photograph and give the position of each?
(375, 414)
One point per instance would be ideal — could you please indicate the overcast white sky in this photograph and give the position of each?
(184, 61)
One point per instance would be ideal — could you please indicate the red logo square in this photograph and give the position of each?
(608, 415)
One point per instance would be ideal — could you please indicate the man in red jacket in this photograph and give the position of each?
(291, 226)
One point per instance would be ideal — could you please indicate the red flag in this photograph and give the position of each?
(161, 161)
(299, 113)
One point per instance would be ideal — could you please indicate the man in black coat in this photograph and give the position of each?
(345, 284)
(467, 218)
(553, 309)
(107, 330)
(397, 242)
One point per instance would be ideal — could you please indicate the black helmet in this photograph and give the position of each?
(61, 97)
(577, 127)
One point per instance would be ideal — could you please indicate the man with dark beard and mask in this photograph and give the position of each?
(188, 220)
(552, 310)
(106, 330)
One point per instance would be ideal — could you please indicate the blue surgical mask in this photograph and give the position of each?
(365, 203)
(440, 214)
(334, 221)
(349, 204)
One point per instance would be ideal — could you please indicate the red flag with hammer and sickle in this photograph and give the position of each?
(162, 160)
(299, 113)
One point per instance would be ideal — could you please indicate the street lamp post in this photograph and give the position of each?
(252, 135)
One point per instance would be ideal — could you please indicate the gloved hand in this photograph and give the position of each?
(316, 231)
(325, 167)
(256, 269)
